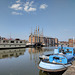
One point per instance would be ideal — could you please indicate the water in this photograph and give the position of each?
(23, 61)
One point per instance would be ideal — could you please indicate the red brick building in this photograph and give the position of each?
(38, 37)
(71, 42)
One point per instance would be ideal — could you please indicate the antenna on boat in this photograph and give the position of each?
(61, 46)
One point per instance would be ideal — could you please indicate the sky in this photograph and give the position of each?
(55, 17)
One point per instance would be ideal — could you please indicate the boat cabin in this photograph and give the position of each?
(61, 59)
(66, 50)
(65, 55)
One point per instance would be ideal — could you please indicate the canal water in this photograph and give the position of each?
(23, 61)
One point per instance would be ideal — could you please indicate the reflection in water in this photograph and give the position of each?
(36, 52)
(47, 73)
(11, 53)
(42, 73)
(25, 61)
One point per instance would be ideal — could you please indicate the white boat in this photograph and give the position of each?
(52, 67)
(57, 62)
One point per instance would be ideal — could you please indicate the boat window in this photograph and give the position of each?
(74, 51)
(55, 58)
(20, 41)
(59, 50)
(45, 60)
(68, 51)
(4, 41)
(4, 56)
(16, 41)
(63, 51)
(11, 55)
(12, 41)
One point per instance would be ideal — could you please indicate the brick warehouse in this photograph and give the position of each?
(38, 37)
(71, 42)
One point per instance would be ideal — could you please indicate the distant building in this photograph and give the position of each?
(65, 43)
(11, 43)
(38, 37)
(71, 42)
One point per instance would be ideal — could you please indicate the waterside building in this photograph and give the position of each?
(71, 42)
(11, 43)
(38, 36)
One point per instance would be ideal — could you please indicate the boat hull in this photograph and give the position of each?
(52, 67)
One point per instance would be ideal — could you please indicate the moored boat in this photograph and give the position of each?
(58, 62)
(59, 50)
(53, 67)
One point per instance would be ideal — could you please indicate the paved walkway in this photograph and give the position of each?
(70, 70)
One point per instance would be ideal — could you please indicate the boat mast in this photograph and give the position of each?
(31, 36)
(38, 33)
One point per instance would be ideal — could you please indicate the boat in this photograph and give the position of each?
(29, 44)
(59, 61)
(46, 56)
(59, 50)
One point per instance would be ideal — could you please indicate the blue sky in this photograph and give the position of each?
(56, 17)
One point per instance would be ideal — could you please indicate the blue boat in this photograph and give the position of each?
(59, 61)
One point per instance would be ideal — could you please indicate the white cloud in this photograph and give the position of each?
(18, 1)
(43, 6)
(31, 3)
(16, 7)
(32, 9)
(29, 6)
(16, 13)
(28, 9)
